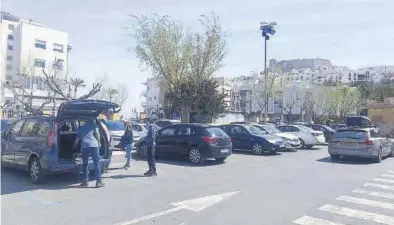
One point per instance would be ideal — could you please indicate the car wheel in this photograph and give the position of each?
(334, 157)
(309, 146)
(302, 143)
(142, 150)
(195, 156)
(379, 158)
(220, 160)
(35, 170)
(257, 149)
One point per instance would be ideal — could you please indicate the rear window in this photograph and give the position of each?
(214, 131)
(351, 134)
(115, 125)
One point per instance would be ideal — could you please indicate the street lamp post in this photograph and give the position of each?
(267, 30)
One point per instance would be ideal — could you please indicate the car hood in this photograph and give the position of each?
(270, 138)
(287, 135)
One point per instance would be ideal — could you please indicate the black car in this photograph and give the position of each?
(249, 138)
(196, 141)
(5, 124)
(43, 145)
(328, 131)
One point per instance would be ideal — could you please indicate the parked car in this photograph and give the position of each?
(5, 124)
(139, 130)
(246, 137)
(164, 122)
(360, 142)
(291, 140)
(116, 129)
(196, 141)
(307, 136)
(327, 131)
(44, 144)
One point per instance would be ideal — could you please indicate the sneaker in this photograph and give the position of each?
(154, 173)
(100, 184)
(148, 173)
(126, 166)
(84, 184)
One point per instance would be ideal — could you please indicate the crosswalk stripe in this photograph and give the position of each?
(307, 220)
(387, 175)
(359, 214)
(367, 202)
(384, 180)
(374, 193)
(381, 186)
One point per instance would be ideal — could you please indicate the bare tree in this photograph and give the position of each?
(181, 57)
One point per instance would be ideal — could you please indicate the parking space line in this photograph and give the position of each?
(384, 180)
(367, 202)
(359, 214)
(307, 220)
(374, 193)
(381, 186)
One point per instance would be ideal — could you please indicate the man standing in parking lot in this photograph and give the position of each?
(150, 149)
(89, 135)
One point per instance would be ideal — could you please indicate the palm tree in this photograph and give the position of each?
(77, 83)
(111, 92)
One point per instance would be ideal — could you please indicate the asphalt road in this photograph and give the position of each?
(291, 188)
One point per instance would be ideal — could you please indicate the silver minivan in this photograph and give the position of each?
(360, 142)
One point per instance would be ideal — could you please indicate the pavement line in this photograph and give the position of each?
(306, 220)
(381, 186)
(384, 180)
(362, 201)
(388, 175)
(359, 214)
(148, 217)
(374, 193)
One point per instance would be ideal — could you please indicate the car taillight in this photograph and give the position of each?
(209, 140)
(52, 135)
(368, 142)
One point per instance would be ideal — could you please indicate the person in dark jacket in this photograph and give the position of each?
(150, 149)
(127, 143)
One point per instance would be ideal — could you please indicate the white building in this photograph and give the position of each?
(28, 48)
(225, 87)
(153, 97)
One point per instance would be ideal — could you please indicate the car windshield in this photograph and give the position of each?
(350, 134)
(216, 132)
(328, 128)
(304, 128)
(255, 130)
(115, 125)
(271, 129)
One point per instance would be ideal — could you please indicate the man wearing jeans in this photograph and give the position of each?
(89, 135)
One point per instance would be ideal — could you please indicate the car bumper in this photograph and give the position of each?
(218, 152)
(276, 147)
(364, 153)
(292, 144)
(73, 166)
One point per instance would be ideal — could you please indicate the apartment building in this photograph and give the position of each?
(27, 49)
(152, 98)
(225, 87)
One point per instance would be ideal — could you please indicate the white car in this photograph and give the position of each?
(139, 130)
(291, 140)
(116, 129)
(307, 136)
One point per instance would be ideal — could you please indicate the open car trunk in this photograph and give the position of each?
(67, 135)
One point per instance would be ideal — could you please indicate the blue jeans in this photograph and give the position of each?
(128, 153)
(94, 151)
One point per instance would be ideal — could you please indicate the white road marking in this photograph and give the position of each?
(387, 175)
(367, 202)
(374, 193)
(359, 214)
(151, 216)
(306, 220)
(384, 180)
(381, 186)
(391, 171)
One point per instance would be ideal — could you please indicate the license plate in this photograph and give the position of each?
(348, 144)
(224, 150)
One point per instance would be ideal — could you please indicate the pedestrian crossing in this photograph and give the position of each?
(371, 204)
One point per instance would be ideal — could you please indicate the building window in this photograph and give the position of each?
(41, 44)
(10, 37)
(58, 48)
(9, 57)
(9, 67)
(58, 64)
(39, 63)
(10, 48)
(11, 26)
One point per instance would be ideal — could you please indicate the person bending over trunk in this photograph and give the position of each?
(89, 135)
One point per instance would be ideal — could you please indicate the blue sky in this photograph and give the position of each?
(352, 33)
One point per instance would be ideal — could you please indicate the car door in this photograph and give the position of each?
(377, 136)
(182, 139)
(165, 141)
(10, 142)
(28, 138)
(239, 137)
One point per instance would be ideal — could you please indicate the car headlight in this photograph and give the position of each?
(286, 139)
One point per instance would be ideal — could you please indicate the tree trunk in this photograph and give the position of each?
(185, 113)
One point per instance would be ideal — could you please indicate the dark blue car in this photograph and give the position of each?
(249, 138)
(44, 144)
